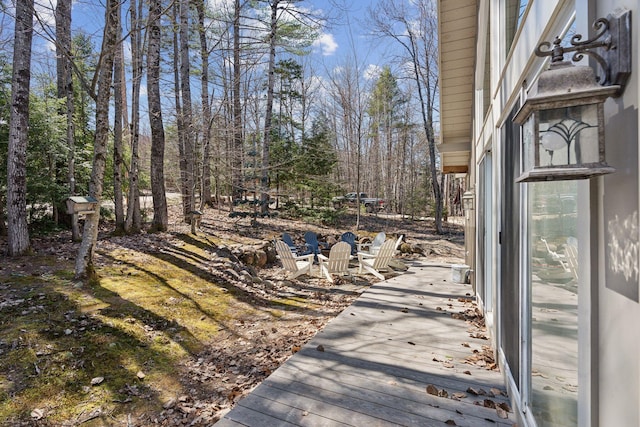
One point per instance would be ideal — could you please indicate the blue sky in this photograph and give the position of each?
(343, 37)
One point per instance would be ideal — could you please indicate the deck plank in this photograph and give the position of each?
(371, 365)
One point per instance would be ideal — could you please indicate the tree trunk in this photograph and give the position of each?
(178, 106)
(206, 109)
(134, 219)
(18, 231)
(84, 259)
(160, 215)
(65, 90)
(187, 112)
(237, 149)
(266, 143)
(118, 100)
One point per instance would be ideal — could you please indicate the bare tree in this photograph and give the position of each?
(118, 148)
(350, 102)
(18, 232)
(418, 37)
(206, 107)
(237, 148)
(133, 223)
(188, 201)
(160, 214)
(65, 90)
(104, 75)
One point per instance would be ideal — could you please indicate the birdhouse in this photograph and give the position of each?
(81, 205)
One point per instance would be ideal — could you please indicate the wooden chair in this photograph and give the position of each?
(350, 238)
(337, 262)
(296, 265)
(372, 247)
(378, 262)
(394, 263)
(313, 245)
(289, 241)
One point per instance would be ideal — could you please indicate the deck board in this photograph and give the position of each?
(371, 365)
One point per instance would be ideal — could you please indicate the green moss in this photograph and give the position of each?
(140, 312)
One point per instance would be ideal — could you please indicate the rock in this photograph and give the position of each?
(260, 258)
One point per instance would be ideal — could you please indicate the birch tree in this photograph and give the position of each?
(18, 232)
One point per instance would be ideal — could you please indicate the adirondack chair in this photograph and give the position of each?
(350, 238)
(289, 241)
(337, 262)
(395, 263)
(378, 262)
(296, 265)
(372, 247)
(313, 246)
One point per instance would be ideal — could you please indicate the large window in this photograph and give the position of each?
(553, 255)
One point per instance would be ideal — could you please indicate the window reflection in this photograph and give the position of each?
(554, 302)
(514, 12)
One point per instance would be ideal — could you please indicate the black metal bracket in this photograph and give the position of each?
(610, 47)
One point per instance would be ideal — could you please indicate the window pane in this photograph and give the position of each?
(514, 12)
(554, 303)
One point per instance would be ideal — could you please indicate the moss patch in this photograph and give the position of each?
(69, 348)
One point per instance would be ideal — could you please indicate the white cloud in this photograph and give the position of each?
(326, 43)
(372, 72)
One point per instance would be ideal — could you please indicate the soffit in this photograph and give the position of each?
(457, 31)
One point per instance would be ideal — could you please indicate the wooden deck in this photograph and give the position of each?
(397, 356)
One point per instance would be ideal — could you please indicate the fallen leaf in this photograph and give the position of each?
(505, 406)
(473, 391)
(295, 349)
(320, 347)
(467, 372)
(96, 380)
(502, 413)
(411, 343)
(459, 395)
(140, 375)
(450, 423)
(489, 404)
(493, 392)
(37, 414)
(433, 390)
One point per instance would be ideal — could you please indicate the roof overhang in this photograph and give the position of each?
(457, 32)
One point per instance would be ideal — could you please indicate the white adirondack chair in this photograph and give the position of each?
(378, 262)
(296, 265)
(337, 262)
(372, 247)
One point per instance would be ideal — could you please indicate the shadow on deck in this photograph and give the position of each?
(404, 353)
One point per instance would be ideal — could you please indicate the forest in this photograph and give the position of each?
(220, 101)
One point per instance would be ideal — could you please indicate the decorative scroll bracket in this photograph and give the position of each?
(610, 48)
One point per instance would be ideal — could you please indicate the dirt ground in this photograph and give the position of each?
(251, 341)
